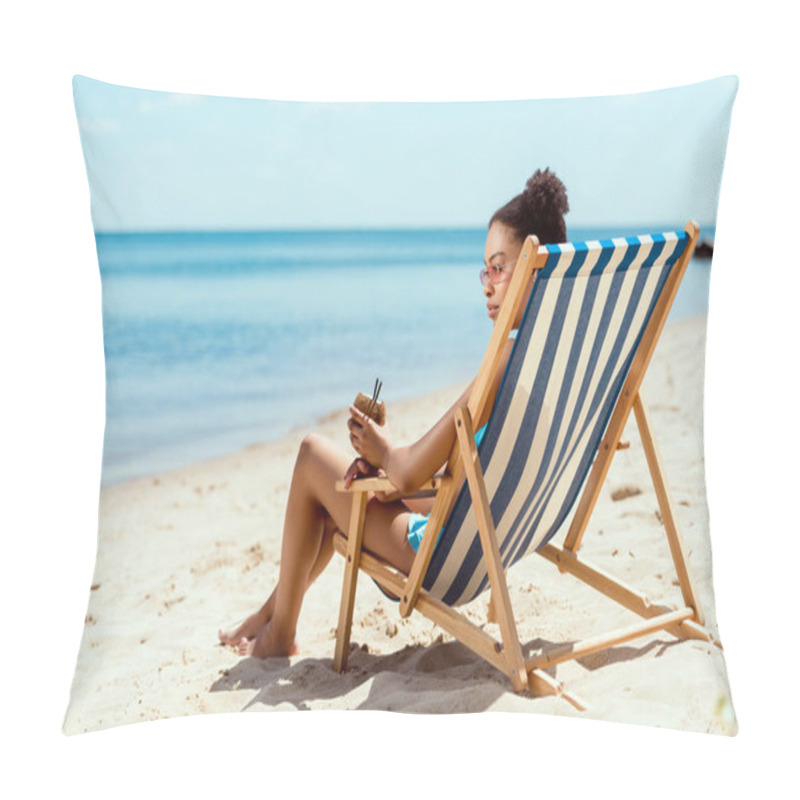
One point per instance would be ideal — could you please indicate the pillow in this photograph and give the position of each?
(264, 261)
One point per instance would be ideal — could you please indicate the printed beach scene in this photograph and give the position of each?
(245, 306)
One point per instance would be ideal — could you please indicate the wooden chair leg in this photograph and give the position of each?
(515, 663)
(491, 613)
(354, 538)
(677, 545)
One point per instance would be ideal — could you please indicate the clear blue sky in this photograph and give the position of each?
(161, 161)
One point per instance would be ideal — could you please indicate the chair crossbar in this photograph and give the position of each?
(568, 651)
(619, 592)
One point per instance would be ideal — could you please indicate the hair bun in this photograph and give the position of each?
(545, 194)
(538, 210)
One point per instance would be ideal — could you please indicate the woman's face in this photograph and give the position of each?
(501, 252)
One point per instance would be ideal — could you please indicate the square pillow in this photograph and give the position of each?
(264, 261)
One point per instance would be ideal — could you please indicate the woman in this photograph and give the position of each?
(393, 527)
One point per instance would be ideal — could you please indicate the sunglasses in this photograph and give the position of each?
(495, 274)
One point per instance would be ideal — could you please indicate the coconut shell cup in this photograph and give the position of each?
(378, 411)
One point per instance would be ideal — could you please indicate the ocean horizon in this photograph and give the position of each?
(216, 340)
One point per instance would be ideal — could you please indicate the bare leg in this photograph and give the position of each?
(313, 509)
(251, 627)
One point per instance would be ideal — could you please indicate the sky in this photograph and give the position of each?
(167, 161)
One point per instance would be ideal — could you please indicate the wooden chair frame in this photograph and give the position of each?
(463, 464)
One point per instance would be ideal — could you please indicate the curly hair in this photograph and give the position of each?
(539, 210)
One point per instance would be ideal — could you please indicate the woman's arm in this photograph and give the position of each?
(410, 466)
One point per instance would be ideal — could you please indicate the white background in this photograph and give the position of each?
(52, 382)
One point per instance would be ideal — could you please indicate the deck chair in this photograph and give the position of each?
(592, 322)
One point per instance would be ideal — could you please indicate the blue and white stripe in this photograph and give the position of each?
(586, 315)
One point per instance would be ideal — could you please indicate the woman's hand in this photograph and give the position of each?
(361, 467)
(358, 467)
(372, 442)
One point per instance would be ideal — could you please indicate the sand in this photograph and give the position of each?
(182, 553)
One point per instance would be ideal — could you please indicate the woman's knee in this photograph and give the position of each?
(311, 448)
(319, 465)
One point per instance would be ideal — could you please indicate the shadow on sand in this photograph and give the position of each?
(442, 678)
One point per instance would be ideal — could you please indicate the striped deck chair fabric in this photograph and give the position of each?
(587, 312)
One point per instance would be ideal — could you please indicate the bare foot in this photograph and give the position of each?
(267, 643)
(249, 629)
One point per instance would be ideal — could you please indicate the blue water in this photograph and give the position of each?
(214, 341)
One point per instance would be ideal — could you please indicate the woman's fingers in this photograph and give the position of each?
(358, 467)
(359, 417)
(365, 468)
(367, 439)
(351, 473)
(358, 424)
(370, 441)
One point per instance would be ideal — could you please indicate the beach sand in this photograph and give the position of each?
(183, 553)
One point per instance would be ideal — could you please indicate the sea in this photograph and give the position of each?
(218, 340)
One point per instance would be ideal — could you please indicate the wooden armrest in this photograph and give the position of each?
(385, 485)
(367, 485)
